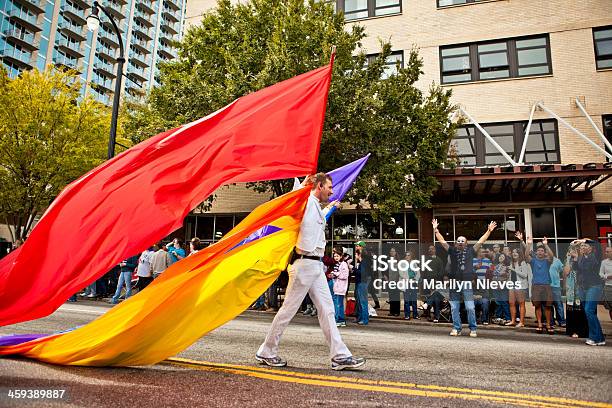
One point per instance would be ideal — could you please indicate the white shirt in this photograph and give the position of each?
(605, 271)
(144, 264)
(311, 239)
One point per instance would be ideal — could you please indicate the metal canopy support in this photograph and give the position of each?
(570, 127)
(586, 115)
(524, 148)
(489, 138)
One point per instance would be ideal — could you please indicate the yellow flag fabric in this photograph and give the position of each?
(191, 298)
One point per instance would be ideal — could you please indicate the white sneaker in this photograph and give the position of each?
(455, 332)
(592, 343)
(473, 333)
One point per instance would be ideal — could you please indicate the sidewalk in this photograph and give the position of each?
(530, 322)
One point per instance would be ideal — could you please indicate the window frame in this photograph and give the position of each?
(480, 142)
(597, 57)
(512, 56)
(466, 2)
(371, 10)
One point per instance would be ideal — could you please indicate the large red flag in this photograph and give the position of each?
(126, 204)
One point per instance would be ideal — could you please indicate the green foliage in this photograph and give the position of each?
(49, 136)
(238, 49)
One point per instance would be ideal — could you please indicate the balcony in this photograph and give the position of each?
(170, 14)
(104, 68)
(108, 37)
(166, 51)
(139, 60)
(16, 57)
(74, 13)
(147, 6)
(173, 4)
(116, 10)
(144, 19)
(102, 84)
(142, 31)
(35, 6)
(135, 91)
(24, 18)
(69, 47)
(75, 31)
(137, 74)
(170, 26)
(65, 61)
(141, 45)
(24, 39)
(105, 52)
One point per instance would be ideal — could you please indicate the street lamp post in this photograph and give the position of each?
(93, 23)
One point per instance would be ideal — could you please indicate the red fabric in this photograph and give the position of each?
(139, 197)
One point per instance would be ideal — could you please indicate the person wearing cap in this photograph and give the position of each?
(462, 269)
(307, 275)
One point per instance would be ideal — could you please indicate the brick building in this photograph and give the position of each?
(513, 65)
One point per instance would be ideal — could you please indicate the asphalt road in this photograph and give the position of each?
(409, 365)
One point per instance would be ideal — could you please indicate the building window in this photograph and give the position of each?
(356, 9)
(393, 63)
(446, 3)
(510, 58)
(474, 149)
(465, 144)
(607, 131)
(602, 38)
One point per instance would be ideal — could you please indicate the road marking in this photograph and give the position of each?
(423, 390)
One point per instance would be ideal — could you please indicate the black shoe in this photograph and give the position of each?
(376, 305)
(347, 363)
(271, 361)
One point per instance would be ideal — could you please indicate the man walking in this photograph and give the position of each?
(307, 275)
(462, 271)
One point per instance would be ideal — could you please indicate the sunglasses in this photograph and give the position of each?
(461, 241)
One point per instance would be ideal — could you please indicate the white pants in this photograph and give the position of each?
(306, 276)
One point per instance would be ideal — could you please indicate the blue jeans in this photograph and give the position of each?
(339, 308)
(591, 298)
(260, 301)
(435, 299)
(410, 301)
(362, 303)
(124, 278)
(455, 302)
(501, 300)
(558, 306)
(330, 283)
(484, 303)
(91, 289)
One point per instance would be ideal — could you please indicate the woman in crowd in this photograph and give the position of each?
(519, 275)
(195, 245)
(575, 317)
(340, 275)
(501, 274)
(410, 278)
(590, 285)
(392, 275)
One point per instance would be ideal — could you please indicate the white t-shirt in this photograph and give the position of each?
(605, 271)
(144, 264)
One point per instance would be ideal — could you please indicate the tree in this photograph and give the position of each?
(238, 49)
(49, 136)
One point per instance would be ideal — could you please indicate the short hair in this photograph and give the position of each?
(320, 178)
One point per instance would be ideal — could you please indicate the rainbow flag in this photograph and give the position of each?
(191, 298)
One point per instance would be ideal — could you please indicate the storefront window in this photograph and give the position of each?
(204, 227)
(474, 226)
(367, 228)
(344, 226)
(542, 222)
(565, 218)
(395, 228)
(223, 225)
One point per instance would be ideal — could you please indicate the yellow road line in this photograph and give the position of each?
(386, 386)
